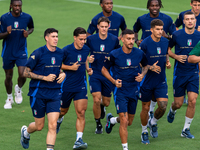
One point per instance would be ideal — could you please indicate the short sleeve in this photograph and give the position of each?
(143, 47)
(33, 59)
(137, 26)
(109, 62)
(179, 21)
(123, 24)
(144, 60)
(172, 41)
(92, 27)
(30, 23)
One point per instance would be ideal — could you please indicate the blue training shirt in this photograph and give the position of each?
(15, 45)
(144, 23)
(155, 51)
(117, 22)
(44, 62)
(126, 67)
(179, 20)
(75, 80)
(101, 49)
(184, 43)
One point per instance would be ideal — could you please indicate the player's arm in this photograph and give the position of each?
(5, 34)
(73, 67)
(61, 77)
(117, 83)
(155, 68)
(194, 59)
(138, 42)
(180, 58)
(29, 31)
(168, 64)
(88, 69)
(28, 74)
(141, 75)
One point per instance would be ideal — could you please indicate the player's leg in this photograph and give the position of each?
(8, 85)
(18, 87)
(80, 107)
(152, 107)
(38, 111)
(52, 111)
(64, 107)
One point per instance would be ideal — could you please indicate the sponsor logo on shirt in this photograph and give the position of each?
(102, 47)
(158, 50)
(53, 60)
(189, 43)
(128, 62)
(35, 112)
(16, 24)
(79, 57)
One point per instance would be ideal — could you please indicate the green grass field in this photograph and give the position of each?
(65, 16)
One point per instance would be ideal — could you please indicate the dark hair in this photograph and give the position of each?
(103, 19)
(127, 31)
(188, 13)
(78, 31)
(156, 22)
(48, 31)
(11, 2)
(101, 1)
(149, 3)
(194, 1)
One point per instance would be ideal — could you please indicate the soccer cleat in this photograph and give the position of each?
(170, 116)
(153, 130)
(145, 138)
(18, 95)
(24, 141)
(186, 133)
(109, 126)
(58, 125)
(103, 111)
(8, 104)
(79, 144)
(99, 129)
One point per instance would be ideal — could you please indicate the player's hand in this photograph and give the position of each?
(181, 58)
(198, 29)
(25, 33)
(90, 71)
(50, 78)
(91, 59)
(155, 68)
(75, 66)
(139, 77)
(118, 83)
(139, 42)
(9, 29)
(168, 64)
(61, 77)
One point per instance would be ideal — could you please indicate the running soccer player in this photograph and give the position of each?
(195, 4)
(101, 44)
(75, 87)
(144, 23)
(185, 73)
(43, 67)
(13, 31)
(117, 21)
(154, 84)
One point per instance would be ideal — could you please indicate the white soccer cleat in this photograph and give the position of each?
(18, 95)
(8, 104)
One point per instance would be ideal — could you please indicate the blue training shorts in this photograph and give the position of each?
(160, 91)
(101, 84)
(9, 63)
(68, 96)
(42, 106)
(182, 83)
(125, 104)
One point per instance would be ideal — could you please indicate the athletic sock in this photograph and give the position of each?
(174, 111)
(98, 122)
(113, 120)
(152, 106)
(50, 149)
(154, 121)
(60, 119)
(26, 134)
(188, 122)
(125, 146)
(144, 129)
(79, 135)
(9, 96)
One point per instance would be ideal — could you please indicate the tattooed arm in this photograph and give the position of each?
(28, 74)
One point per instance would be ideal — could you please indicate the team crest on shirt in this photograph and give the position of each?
(102, 47)
(109, 25)
(117, 107)
(61, 102)
(16, 24)
(128, 62)
(35, 112)
(189, 42)
(158, 50)
(79, 57)
(53, 60)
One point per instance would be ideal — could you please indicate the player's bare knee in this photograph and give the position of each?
(97, 101)
(63, 111)
(192, 102)
(39, 127)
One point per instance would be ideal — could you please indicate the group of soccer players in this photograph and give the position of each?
(58, 76)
